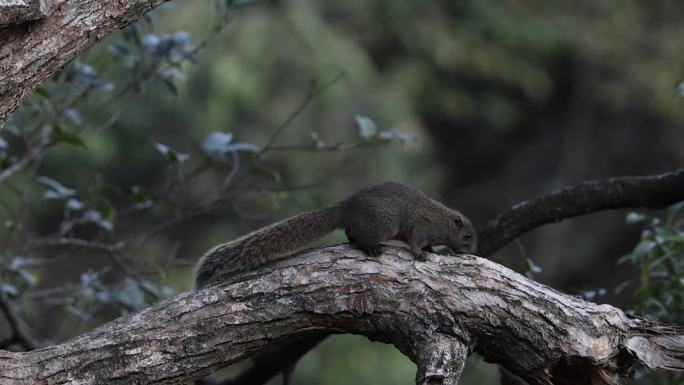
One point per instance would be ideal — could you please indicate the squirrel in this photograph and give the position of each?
(388, 211)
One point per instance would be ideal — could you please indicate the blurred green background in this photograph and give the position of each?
(493, 102)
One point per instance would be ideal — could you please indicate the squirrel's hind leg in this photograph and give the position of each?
(369, 243)
(419, 245)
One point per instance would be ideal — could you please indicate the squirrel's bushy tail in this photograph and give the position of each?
(266, 244)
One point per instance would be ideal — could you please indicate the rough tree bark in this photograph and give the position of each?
(436, 312)
(653, 191)
(19, 11)
(32, 51)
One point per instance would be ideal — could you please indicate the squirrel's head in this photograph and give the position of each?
(462, 236)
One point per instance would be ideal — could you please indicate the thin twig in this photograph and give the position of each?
(109, 249)
(235, 168)
(32, 154)
(77, 242)
(313, 92)
(328, 148)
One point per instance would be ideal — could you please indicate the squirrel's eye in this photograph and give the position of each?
(468, 236)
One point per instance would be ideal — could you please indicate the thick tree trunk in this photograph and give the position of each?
(436, 312)
(19, 11)
(32, 51)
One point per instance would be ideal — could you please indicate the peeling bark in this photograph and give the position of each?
(654, 191)
(31, 52)
(434, 311)
(20, 11)
(440, 360)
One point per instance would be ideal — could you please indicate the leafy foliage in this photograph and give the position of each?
(659, 256)
(102, 218)
(659, 288)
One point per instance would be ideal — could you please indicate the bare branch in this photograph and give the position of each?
(314, 91)
(434, 311)
(77, 242)
(313, 147)
(29, 157)
(20, 11)
(273, 361)
(19, 334)
(652, 192)
(111, 250)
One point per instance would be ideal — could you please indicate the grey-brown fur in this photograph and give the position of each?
(368, 217)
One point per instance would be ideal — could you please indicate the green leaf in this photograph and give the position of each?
(42, 92)
(57, 190)
(171, 86)
(74, 204)
(643, 249)
(142, 201)
(317, 141)
(623, 286)
(393, 135)
(62, 136)
(171, 155)
(29, 278)
(16, 263)
(105, 209)
(633, 218)
(675, 210)
(150, 287)
(534, 268)
(217, 144)
(8, 289)
(625, 258)
(367, 127)
(96, 218)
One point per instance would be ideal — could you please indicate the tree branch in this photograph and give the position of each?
(434, 311)
(652, 192)
(19, 335)
(30, 54)
(656, 191)
(31, 155)
(271, 362)
(19, 11)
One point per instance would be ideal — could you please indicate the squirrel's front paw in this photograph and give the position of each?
(419, 255)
